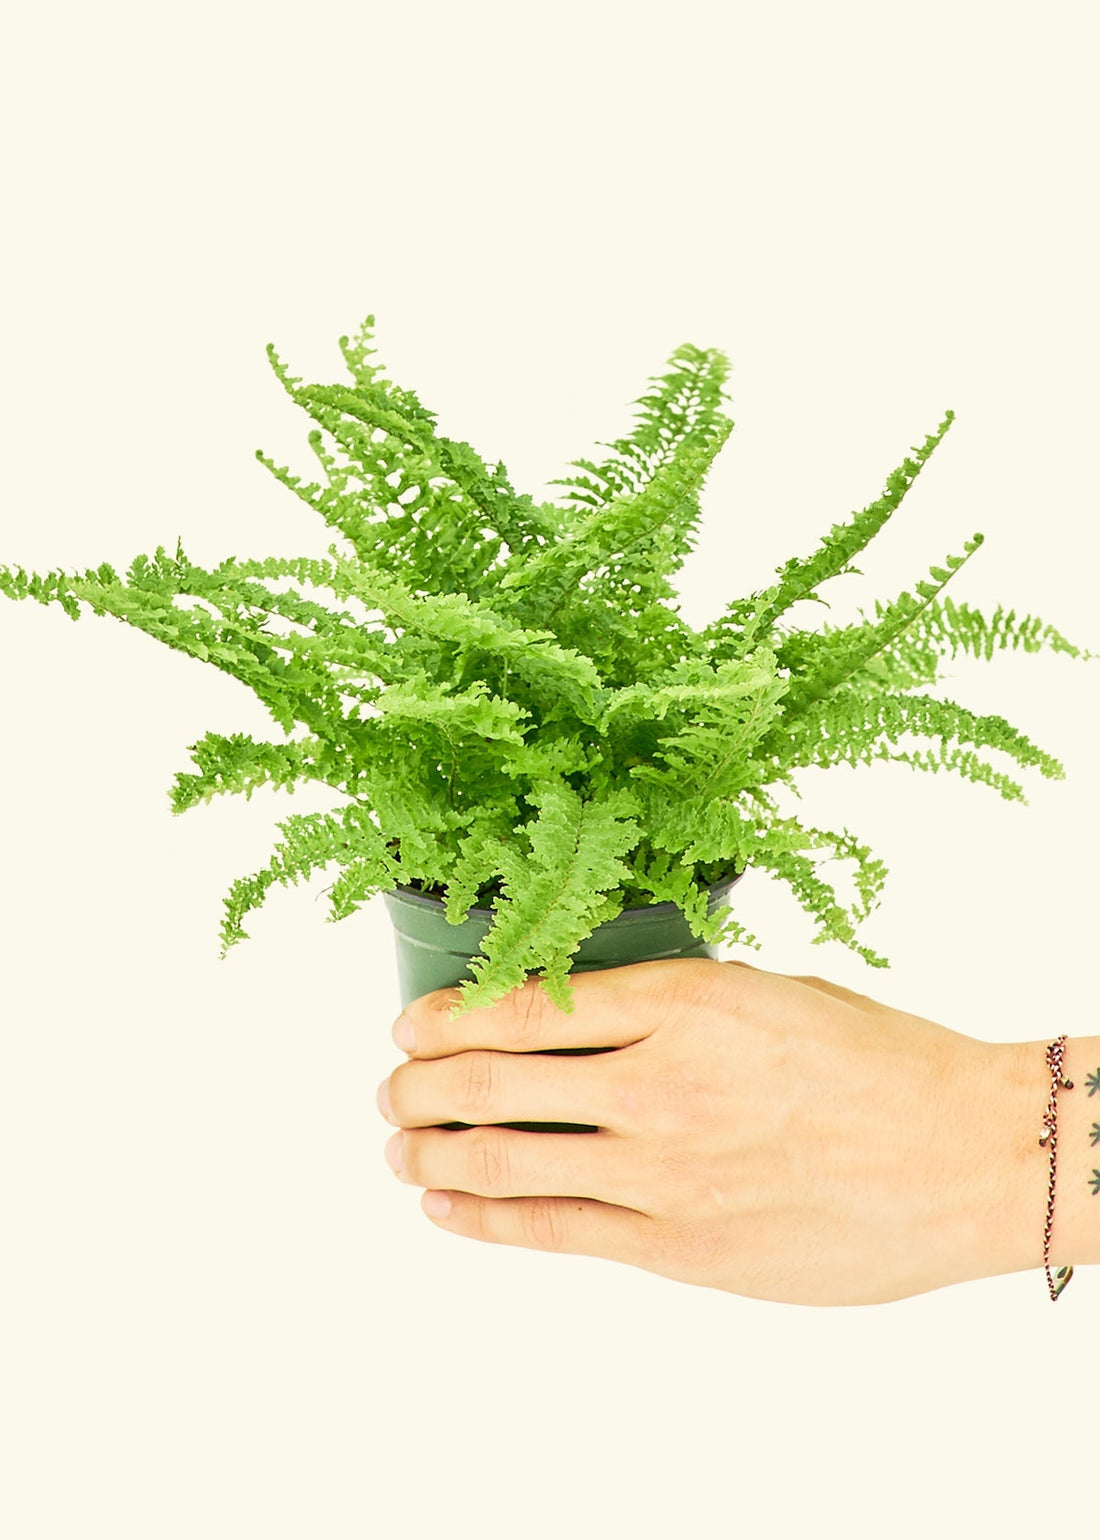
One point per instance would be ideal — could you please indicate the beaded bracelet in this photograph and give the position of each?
(1055, 1054)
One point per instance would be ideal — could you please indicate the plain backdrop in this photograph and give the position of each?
(221, 1316)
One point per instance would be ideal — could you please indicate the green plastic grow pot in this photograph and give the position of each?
(433, 954)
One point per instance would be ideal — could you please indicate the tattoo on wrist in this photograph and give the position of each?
(1093, 1083)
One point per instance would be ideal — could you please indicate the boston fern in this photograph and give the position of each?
(516, 713)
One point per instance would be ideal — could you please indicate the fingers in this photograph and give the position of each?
(484, 1086)
(574, 1225)
(503, 1163)
(613, 1007)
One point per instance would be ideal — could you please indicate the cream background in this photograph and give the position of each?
(221, 1316)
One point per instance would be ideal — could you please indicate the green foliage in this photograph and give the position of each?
(557, 882)
(508, 703)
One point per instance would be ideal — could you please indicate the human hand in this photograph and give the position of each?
(776, 1137)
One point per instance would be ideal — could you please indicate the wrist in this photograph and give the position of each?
(1014, 1168)
(1075, 1237)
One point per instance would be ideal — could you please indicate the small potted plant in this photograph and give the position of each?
(543, 766)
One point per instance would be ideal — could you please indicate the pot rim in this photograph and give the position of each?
(666, 906)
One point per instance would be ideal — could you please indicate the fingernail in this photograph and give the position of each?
(393, 1152)
(436, 1204)
(403, 1034)
(383, 1101)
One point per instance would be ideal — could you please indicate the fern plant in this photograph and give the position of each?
(509, 702)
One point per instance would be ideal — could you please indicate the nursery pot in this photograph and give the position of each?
(433, 954)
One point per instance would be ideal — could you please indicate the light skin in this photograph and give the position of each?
(776, 1137)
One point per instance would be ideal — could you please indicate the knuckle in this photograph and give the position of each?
(479, 1221)
(410, 1160)
(530, 1001)
(673, 1104)
(543, 1224)
(477, 1077)
(654, 1093)
(693, 988)
(488, 1159)
(426, 1011)
(630, 1085)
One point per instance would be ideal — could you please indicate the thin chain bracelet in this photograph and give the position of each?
(1055, 1054)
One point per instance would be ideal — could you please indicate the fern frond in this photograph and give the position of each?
(711, 754)
(702, 830)
(360, 879)
(801, 577)
(292, 691)
(554, 894)
(478, 865)
(518, 519)
(238, 763)
(355, 517)
(849, 652)
(938, 631)
(477, 496)
(905, 663)
(946, 626)
(692, 685)
(669, 879)
(963, 761)
(748, 832)
(688, 395)
(47, 588)
(548, 755)
(312, 841)
(553, 672)
(356, 350)
(631, 546)
(818, 898)
(467, 713)
(625, 643)
(849, 728)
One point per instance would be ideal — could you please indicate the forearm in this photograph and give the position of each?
(1011, 1190)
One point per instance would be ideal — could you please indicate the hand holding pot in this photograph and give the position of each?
(776, 1137)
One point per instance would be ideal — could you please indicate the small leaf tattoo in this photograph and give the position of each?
(1095, 1135)
(1093, 1083)
(1095, 1182)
